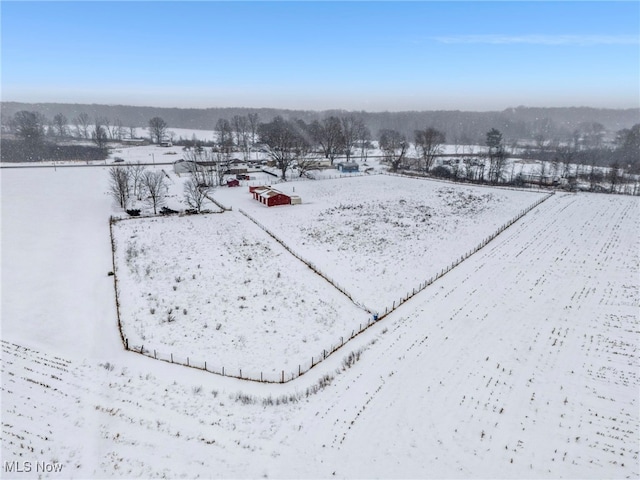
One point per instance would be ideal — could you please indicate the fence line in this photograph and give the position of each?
(283, 376)
(462, 258)
(224, 209)
(247, 374)
(112, 220)
(306, 262)
(463, 182)
(254, 183)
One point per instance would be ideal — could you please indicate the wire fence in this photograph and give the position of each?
(218, 204)
(276, 181)
(311, 265)
(462, 258)
(250, 374)
(284, 376)
(461, 181)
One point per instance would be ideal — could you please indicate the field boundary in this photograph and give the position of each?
(462, 258)
(469, 184)
(306, 262)
(284, 376)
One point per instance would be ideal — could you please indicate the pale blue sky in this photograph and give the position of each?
(321, 55)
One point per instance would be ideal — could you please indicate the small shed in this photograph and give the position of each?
(348, 167)
(233, 183)
(270, 196)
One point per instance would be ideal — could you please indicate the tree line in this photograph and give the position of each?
(461, 127)
(296, 142)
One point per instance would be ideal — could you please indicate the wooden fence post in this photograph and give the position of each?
(172, 358)
(187, 361)
(282, 376)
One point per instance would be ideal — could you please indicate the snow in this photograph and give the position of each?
(520, 362)
(380, 237)
(216, 288)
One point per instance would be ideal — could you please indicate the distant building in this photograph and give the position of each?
(166, 143)
(271, 197)
(348, 167)
(233, 183)
(186, 166)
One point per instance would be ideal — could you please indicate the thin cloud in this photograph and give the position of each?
(561, 40)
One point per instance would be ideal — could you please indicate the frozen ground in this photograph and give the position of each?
(520, 363)
(379, 237)
(217, 288)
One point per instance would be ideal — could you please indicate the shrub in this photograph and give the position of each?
(441, 172)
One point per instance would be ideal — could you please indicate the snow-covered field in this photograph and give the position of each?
(216, 288)
(379, 237)
(521, 362)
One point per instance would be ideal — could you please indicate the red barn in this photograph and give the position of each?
(269, 196)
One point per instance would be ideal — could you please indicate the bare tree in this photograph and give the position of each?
(201, 164)
(99, 134)
(496, 154)
(592, 134)
(116, 131)
(82, 122)
(119, 185)
(363, 136)
(350, 125)
(157, 129)
(307, 159)
(283, 142)
(595, 175)
(155, 186)
(60, 125)
(565, 154)
(240, 125)
(136, 172)
(394, 147)
(614, 176)
(628, 147)
(254, 121)
(29, 126)
(542, 171)
(195, 194)
(429, 144)
(218, 171)
(328, 134)
(225, 135)
(541, 142)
